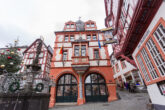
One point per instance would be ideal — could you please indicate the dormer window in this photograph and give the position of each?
(72, 25)
(88, 25)
(92, 25)
(67, 25)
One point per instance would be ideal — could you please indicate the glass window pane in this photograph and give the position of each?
(102, 90)
(92, 25)
(94, 37)
(60, 91)
(76, 51)
(71, 38)
(88, 25)
(88, 90)
(67, 91)
(74, 80)
(96, 54)
(72, 25)
(83, 50)
(74, 90)
(67, 25)
(61, 81)
(94, 78)
(101, 79)
(67, 79)
(88, 79)
(95, 89)
(65, 53)
(66, 38)
(88, 37)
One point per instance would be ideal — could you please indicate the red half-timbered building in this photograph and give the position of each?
(139, 27)
(80, 69)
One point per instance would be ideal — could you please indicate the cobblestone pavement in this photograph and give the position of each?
(128, 101)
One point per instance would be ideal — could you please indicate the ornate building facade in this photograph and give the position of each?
(139, 26)
(81, 66)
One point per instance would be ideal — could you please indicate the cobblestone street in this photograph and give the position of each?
(128, 101)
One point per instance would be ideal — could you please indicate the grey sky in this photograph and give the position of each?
(28, 19)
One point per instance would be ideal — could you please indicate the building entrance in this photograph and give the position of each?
(95, 88)
(67, 89)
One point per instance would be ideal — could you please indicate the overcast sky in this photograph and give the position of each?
(29, 19)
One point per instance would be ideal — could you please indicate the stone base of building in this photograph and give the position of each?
(80, 101)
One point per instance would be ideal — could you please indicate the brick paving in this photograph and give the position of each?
(128, 101)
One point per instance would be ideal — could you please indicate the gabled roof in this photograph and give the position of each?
(48, 47)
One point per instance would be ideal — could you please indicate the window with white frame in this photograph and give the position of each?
(149, 64)
(160, 36)
(88, 25)
(65, 53)
(94, 37)
(92, 25)
(161, 86)
(66, 38)
(159, 61)
(143, 69)
(83, 50)
(96, 53)
(68, 26)
(71, 38)
(88, 37)
(76, 50)
(72, 25)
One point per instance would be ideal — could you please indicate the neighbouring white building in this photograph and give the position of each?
(125, 72)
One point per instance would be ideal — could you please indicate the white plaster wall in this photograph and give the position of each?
(103, 63)
(77, 36)
(95, 43)
(93, 63)
(64, 44)
(70, 54)
(90, 52)
(155, 94)
(58, 56)
(58, 64)
(100, 37)
(60, 38)
(102, 52)
(128, 68)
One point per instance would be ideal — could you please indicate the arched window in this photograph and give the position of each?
(95, 88)
(67, 89)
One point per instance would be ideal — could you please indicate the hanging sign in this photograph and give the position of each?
(108, 35)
